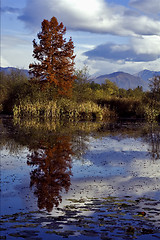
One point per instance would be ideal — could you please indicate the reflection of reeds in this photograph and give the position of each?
(60, 109)
(48, 125)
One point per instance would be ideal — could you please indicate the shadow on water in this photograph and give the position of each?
(51, 149)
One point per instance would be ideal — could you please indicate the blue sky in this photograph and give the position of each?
(109, 35)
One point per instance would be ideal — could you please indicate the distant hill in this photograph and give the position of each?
(9, 69)
(126, 80)
(146, 74)
(122, 79)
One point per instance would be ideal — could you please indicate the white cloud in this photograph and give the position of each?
(147, 45)
(99, 22)
(14, 41)
(88, 9)
(99, 67)
(91, 15)
(4, 62)
(16, 51)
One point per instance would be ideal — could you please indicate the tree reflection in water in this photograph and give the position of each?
(152, 137)
(52, 172)
(53, 145)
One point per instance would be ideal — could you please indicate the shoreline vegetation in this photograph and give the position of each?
(89, 101)
(61, 109)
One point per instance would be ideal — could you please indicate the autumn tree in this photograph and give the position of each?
(55, 58)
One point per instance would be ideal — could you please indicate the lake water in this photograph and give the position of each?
(86, 180)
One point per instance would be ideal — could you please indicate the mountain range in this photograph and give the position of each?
(126, 80)
(10, 69)
(122, 79)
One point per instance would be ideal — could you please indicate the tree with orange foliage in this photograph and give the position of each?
(55, 66)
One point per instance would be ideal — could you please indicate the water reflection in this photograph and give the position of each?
(52, 147)
(152, 136)
(150, 133)
(52, 172)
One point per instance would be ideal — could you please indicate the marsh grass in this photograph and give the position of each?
(61, 109)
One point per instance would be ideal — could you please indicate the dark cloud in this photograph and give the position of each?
(33, 14)
(114, 52)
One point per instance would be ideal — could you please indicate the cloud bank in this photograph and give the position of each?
(96, 16)
(144, 49)
(108, 35)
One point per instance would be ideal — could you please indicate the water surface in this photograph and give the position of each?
(79, 180)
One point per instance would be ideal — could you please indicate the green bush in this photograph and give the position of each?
(124, 107)
(11, 85)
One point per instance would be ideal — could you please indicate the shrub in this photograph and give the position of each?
(11, 84)
(124, 107)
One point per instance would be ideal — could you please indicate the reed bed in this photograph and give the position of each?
(61, 109)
